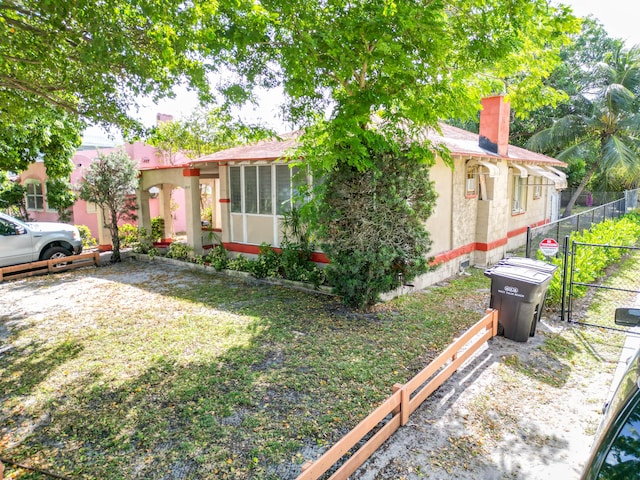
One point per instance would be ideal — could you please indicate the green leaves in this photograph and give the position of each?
(110, 183)
(203, 132)
(94, 59)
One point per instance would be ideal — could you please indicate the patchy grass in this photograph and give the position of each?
(143, 371)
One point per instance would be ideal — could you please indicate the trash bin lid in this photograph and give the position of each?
(522, 274)
(529, 263)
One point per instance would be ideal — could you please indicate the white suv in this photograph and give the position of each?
(22, 242)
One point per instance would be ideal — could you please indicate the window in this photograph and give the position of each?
(257, 189)
(250, 190)
(623, 460)
(471, 188)
(519, 195)
(265, 201)
(235, 187)
(35, 199)
(537, 187)
(283, 189)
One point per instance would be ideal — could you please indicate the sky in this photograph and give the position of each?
(619, 17)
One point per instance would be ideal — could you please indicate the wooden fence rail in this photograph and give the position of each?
(49, 266)
(402, 403)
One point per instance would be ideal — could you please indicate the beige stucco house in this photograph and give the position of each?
(485, 202)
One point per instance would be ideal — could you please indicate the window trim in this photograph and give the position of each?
(33, 181)
(272, 188)
(519, 188)
(537, 188)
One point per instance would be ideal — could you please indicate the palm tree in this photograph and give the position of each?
(603, 127)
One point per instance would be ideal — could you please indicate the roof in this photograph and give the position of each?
(459, 142)
(463, 142)
(263, 150)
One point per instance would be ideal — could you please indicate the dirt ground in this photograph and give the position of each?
(489, 421)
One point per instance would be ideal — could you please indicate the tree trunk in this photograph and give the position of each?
(576, 194)
(115, 237)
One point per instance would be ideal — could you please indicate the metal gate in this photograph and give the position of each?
(625, 289)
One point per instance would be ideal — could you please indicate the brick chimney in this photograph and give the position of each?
(163, 117)
(494, 125)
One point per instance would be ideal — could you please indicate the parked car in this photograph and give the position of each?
(22, 242)
(616, 449)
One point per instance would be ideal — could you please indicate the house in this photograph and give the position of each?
(485, 202)
(85, 213)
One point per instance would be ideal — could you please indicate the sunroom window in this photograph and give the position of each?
(257, 189)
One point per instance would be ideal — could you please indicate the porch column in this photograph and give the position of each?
(492, 220)
(192, 208)
(144, 214)
(104, 234)
(224, 203)
(165, 211)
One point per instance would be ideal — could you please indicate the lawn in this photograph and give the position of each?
(150, 371)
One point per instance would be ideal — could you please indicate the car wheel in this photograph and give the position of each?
(56, 252)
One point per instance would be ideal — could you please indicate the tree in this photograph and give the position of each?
(410, 63)
(604, 129)
(574, 76)
(110, 183)
(201, 133)
(96, 59)
(45, 134)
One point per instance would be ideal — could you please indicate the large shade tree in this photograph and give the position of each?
(63, 63)
(96, 59)
(603, 128)
(410, 63)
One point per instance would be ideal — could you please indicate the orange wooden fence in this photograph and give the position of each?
(49, 266)
(402, 403)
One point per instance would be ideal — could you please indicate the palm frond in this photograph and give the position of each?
(615, 152)
(564, 132)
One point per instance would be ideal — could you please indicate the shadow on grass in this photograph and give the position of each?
(267, 378)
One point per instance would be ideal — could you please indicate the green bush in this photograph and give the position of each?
(240, 264)
(268, 263)
(179, 251)
(297, 265)
(217, 257)
(144, 243)
(590, 263)
(157, 229)
(128, 235)
(85, 234)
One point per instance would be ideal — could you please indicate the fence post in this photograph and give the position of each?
(394, 389)
(528, 247)
(564, 276)
(405, 400)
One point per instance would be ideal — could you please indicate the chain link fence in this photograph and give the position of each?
(578, 222)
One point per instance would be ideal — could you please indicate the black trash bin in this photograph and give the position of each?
(518, 294)
(536, 265)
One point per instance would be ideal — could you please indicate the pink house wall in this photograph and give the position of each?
(144, 155)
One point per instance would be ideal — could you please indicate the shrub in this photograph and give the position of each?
(85, 234)
(240, 264)
(128, 235)
(144, 243)
(157, 229)
(267, 264)
(179, 251)
(297, 265)
(217, 257)
(590, 263)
